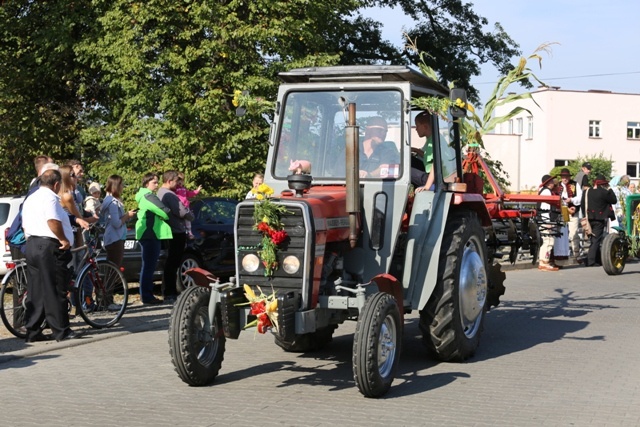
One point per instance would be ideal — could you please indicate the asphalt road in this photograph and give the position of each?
(562, 349)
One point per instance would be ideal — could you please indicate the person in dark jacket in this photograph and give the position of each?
(598, 201)
(178, 214)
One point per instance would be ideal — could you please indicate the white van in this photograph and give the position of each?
(9, 207)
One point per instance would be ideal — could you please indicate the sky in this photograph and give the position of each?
(598, 42)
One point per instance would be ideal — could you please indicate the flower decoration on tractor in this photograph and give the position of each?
(266, 215)
(264, 307)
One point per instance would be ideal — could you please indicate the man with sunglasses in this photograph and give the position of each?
(375, 151)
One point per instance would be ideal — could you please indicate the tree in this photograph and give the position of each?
(456, 40)
(172, 69)
(39, 103)
(601, 166)
(132, 86)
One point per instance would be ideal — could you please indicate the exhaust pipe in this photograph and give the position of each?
(353, 175)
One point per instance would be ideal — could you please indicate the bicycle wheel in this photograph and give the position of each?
(13, 296)
(101, 294)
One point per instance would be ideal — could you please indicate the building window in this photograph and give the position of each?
(633, 169)
(633, 130)
(530, 127)
(519, 126)
(594, 128)
(561, 162)
(510, 128)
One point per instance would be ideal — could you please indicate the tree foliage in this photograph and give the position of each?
(601, 165)
(39, 104)
(456, 40)
(130, 86)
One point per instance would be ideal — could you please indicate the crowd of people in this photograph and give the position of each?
(57, 210)
(601, 203)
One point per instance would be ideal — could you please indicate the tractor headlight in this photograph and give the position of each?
(250, 263)
(291, 264)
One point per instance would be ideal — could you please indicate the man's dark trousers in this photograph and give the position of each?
(171, 266)
(593, 256)
(47, 283)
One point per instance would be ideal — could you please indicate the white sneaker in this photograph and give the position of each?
(114, 307)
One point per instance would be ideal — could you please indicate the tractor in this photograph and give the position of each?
(361, 245)
(624, 240)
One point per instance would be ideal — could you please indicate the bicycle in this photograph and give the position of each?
(99, 291)
(14, 297)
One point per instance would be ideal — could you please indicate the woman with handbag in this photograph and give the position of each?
(597, 208)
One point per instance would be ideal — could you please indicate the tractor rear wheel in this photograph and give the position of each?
(614, 252)
(453, 318)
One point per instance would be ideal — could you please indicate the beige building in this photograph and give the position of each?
(563, 126)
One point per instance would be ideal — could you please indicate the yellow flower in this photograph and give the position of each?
(236, 98)
(265, 189)
(265, 219)
(272, 307)
(248, 292)
(259, 196)
(460, 104)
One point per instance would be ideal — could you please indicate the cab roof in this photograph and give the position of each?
(362, 73)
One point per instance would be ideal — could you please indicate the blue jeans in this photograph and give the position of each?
(150, 255)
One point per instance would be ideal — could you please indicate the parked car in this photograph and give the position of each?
(9, 208)
(211, 248)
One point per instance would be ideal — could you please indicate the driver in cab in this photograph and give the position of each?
(377, 154)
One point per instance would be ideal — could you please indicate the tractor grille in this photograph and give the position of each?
(248, 241)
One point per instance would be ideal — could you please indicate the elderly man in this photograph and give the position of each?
(49, 240)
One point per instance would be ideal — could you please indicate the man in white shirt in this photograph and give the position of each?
(49, 240)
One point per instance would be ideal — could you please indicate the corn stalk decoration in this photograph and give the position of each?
(472, 131)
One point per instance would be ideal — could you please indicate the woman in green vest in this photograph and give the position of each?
(151, 228)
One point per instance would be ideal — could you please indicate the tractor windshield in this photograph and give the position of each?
(312, 132)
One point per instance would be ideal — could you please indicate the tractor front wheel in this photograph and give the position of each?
(376, 345)
(196, 344)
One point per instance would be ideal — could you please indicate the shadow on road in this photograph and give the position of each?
(536, 322)
(530, 323)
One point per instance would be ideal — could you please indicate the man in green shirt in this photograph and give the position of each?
(423, 180)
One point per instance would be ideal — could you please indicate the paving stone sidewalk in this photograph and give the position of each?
(137, 318)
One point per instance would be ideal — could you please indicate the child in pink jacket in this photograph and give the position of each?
(185, 195)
